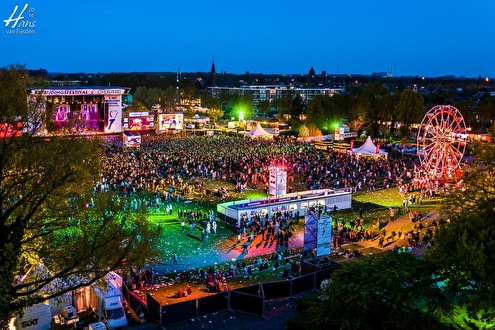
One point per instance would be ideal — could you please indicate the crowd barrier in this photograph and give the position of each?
(135, 303)
(250, 300)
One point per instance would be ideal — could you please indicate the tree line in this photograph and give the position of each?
(383, 107)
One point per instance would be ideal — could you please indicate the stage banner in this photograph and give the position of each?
(324, 240)
(113, 117)
(170, 122)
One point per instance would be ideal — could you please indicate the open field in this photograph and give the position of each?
(221, 249)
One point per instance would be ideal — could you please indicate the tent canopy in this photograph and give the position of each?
(369, 149)
(259, 132)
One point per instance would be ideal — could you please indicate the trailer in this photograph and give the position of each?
(36, 317)
(107, 304)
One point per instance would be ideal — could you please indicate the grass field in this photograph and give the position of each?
(374, 205)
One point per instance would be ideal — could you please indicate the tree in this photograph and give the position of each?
(323, 112)
(303, 131)
(284, 104)
(388, 291)
(297, 107)
(241, 103)
(188, 89)
(170, 97)
(487, 109)
(313, 130)
(464, 250)
(148, 96)
(49, 216)
(264, 107)
(409, 110)
(136, 106)
(374, 103)
(215, 114)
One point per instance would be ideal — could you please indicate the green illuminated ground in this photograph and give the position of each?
(374, 205)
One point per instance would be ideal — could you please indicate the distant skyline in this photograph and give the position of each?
(410, 38)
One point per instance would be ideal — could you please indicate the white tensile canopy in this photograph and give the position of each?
(259, 132)
(369, 149)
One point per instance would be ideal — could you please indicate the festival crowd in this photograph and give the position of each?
(179, 165)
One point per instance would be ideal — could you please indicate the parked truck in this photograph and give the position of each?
(107, 304)
(36, 317)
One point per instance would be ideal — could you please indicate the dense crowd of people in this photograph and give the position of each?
(177, 166)
(169, 168)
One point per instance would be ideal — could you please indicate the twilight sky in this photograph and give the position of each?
(424, 37)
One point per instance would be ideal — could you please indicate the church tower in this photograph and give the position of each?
(311, 77)
(212, 80)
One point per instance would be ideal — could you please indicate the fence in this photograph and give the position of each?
(249, 299)
(136, 304)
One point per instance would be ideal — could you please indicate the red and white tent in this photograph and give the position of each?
(369, 149)
(259, 132)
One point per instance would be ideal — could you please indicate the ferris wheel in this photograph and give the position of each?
(441, 143)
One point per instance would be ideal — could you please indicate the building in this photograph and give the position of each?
(270, 92)
(301, 202)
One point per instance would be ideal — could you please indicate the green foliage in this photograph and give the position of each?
(314, 130)
(375, 106)
(464, 251)
(323, 112)
(151, 96)
(136, 106)
(487, 108)
(232, 104)
(389, 291)
(409, 109)
(215, 114)
(45, 184)
(264, 108)
(303, 131)
(284, 104)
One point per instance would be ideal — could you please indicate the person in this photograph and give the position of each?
(188, 289)
(214, 227)
(179, 294)
(245, 247)
(175, 259)
(380, 242)
(183, 225)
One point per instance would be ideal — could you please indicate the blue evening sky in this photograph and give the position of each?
(423, 37)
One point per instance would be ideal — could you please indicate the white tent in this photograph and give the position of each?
(369, 149)
(259, 132)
